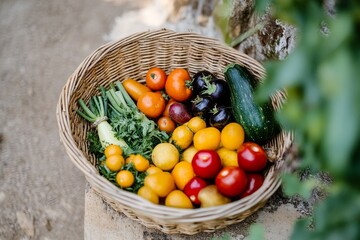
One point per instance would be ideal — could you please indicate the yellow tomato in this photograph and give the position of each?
(232, 136)
(195, 124)
(140, 163)
(125, 178)
(178, 199)
(114, 162)
(130, 158)
(113, 149)
(165, 156)
(182, 137)
(152, 170)
(162, 183)
(182, 173)
(228, 157)
(207, 138)
(188, 154)
(148, 194)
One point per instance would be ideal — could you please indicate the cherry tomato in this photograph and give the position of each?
(231, 181)
(155, 79)
(141, 164)
(166, 124)
(113, 150)
(251, 157)
(151, 104)
(193, 187)
(125, 178)
(177, 85)
(206, 163)
(153, 169)
(255, 181)
(134, 88)
(114, 162)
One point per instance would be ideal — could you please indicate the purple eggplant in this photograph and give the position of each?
(220, 116)
(200, 81)
(219, 91)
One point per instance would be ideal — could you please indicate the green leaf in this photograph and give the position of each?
(222, 13)
(257, 232)
(292, 186)
(342, 113)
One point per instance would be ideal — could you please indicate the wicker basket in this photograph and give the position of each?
(132, 57)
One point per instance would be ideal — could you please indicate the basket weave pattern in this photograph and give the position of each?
(131, 58)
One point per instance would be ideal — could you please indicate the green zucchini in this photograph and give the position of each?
(257, 120)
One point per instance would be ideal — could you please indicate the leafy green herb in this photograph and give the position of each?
(141, 133)
(94, 144)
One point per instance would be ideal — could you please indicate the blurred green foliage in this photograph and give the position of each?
(222, 13)
(322, 79)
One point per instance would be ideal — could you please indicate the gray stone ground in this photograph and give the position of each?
(41, 43)
(41, 191)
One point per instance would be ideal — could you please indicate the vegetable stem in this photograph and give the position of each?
(126, 96)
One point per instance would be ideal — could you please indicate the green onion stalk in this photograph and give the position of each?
(96, 113)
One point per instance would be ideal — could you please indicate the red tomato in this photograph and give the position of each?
(251, 157)
(152, 104)
(255, 181)
(231, 181)
(155, 78)
(206, 163)
(193, 187)
(177, 85)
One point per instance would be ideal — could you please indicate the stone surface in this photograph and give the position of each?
(103, 222)
(41, 44)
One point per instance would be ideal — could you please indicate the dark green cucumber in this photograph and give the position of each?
(257, 120)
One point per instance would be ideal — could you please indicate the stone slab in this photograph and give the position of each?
(103, 222)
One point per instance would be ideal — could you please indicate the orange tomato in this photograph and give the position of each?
(177, 85)
(207, 138)
(113, 149)
(162, 183)
(141, 164)
(166, 124)
(232, 136)
(125, 178)
(178, 199)
(155, 78)
(148, 194)
(129, 159)
(151, 104)
(152, 170)
(134, 88)
(114, 162)
(182, 173)
(196, 124)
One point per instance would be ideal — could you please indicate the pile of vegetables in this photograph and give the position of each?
(181, 141)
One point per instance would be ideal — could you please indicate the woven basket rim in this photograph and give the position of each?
(137, 203)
